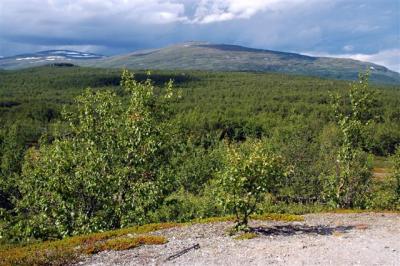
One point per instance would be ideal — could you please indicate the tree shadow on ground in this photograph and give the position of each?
(289, 230)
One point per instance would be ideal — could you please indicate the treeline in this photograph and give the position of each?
(142, 152)
(233, 105)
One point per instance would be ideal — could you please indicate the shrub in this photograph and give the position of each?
(196, 166)
(297, 145)
(248, 174)
(109, 171)
(396, 172)
(350, 182)
(183, 206)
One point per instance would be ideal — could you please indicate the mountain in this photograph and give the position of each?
(46, 57)
(222, 57)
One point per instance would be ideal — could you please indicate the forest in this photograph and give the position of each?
(86, 150)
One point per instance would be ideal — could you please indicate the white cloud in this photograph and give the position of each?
(121, 22)
(145, 11)
(389, 58)
(209, 11)
(141, 11)
(348, 48)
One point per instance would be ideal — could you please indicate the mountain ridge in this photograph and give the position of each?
(214, 57)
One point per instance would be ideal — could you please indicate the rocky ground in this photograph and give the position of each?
(322, 239)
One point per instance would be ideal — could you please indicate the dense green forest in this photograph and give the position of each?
(75, 161)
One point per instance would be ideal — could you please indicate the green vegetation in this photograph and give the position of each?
(249, 172)
(352, 179)
(107, 169)
(246, 236)
(76, 161)
(396, 172)
(125, 243)
(70, 249)
(223, 57)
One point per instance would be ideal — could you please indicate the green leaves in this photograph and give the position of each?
(249, 172)
(107, 172)
(396, 172)
(352, 176)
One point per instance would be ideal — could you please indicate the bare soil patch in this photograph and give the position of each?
(322, 239)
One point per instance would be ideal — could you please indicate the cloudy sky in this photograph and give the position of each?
(362, 29)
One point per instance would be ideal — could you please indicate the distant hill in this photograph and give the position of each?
(46, 57)
(218, 57)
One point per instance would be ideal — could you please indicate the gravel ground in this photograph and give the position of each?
(322, 239)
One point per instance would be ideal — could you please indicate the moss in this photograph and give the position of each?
(245, 236)
(125, 243)
(212, 220)
(350, 211)
(69, 250)
(278, 217)
(40, 254)
(261, 217)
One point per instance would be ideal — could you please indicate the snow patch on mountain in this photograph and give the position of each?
(28, 58)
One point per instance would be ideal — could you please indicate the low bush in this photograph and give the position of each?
(249, 172)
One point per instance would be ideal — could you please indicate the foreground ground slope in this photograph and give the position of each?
(321, 239)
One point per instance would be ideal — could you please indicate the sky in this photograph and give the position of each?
(367, 30)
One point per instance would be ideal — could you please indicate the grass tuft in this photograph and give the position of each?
(260, 217)
(278, 217)
(208, 220)
(246, 236)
